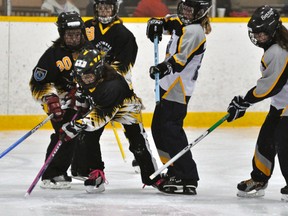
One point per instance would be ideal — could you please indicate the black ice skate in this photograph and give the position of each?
(58, 182)
(179, 186)
(95, 182)
(284, 192)
(251, 188)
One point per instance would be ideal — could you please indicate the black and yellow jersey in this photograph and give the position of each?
(53, 74)
(112, 100)
(118, 43)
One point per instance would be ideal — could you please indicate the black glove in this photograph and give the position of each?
(70, 130)
(163, 69)
(53, 105)
(154, 28)
(237, 108)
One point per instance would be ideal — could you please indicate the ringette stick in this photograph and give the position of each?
(156, 60)
(188, 147)
(26, 135)
(118, 141)
(47, 162)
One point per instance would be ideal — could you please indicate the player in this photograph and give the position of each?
(107, 32)
(52, 81)
(111, 100)
(178, 75)
(266, 30)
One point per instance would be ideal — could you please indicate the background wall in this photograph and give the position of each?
(230, 66)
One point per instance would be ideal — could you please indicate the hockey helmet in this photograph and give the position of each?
(106, 11)
(263, 25)
(192, 11)
(88, 68)
(71, 21)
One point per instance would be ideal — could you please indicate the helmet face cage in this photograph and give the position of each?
(88, 68)
(191, 11)
(70, 21)
(105, 11)
(264, 21)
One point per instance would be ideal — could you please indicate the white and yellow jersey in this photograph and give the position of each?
(274, 80)
(185, 51)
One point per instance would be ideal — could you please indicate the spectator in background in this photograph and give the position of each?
(58, 6)
(151, 8)
(122, 11)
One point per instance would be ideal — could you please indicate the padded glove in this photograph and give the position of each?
(82, 102)
(237, 108)
(154, 28)
(70, 130)
(163, 69)
(54, 106)
(69, 99)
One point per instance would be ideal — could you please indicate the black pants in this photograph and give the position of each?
(272, 140)
(170, 138)
(62, 159)
(87, 156)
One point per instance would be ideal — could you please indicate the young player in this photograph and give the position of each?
(52, 81)
(111, 100)
(266, 30)
(107, 33)
(178, 75)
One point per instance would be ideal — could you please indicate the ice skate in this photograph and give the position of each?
(284, 192)
(136, 166)
(78, 176)
(251, 188)
(179, 186)
(95, 182)
(58, 182)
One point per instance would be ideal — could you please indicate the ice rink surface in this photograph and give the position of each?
(223, 159)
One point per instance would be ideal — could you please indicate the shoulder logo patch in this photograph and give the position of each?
(39, 74)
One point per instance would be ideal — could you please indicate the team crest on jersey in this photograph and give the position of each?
(39, 74)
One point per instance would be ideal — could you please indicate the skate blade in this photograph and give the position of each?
(94, 189)
(57, 186)
(251, 194)
(80, 178)
(284, 198)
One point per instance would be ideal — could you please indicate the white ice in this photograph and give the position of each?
(223, 159)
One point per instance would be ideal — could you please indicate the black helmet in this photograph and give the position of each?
(115, 4)
(197, 9)
(69, 20)
(264, 19)
(88, 68)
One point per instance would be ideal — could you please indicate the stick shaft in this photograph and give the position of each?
(26, 136)
(188, 147)
(47, 162)
(156, 61)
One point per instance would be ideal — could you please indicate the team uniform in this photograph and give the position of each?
(111, 100)
(178, 75)
(176, 90)
(273, 138)
(117, 41)
(53, 78)
(119, 44)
